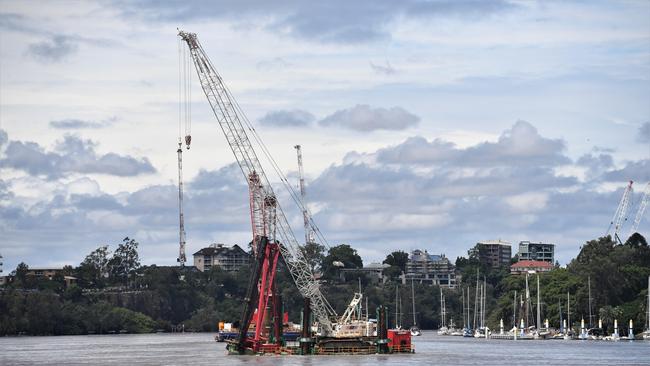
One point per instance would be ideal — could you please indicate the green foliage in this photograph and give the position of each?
(398, 258)
(344, 254)
(93, 271)
(165, 297)
(125, 261)
(314, 254)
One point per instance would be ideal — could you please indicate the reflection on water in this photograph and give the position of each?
(200, 349)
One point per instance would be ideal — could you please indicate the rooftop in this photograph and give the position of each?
(494, 242)
(529, 264)
(216, 249)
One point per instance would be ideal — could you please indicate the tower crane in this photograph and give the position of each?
(620, 216)
(273, 222)
(642, 206)
(309, 233)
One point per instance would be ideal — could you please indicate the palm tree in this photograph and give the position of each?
(608, 314)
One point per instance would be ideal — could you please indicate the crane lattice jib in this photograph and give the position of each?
(623, 207)
(226, 112)
(621, 211)
(345, 318)
(642, 206)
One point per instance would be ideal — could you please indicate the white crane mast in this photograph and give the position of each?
(231, 119)
(620, 216)
(309, 233)
(642, 206)
(181, 238)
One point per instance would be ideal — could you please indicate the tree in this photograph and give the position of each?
(125, 261)
(21, 272)
(94, 269)
(636, 240)
(398, 258)
(314, 254)
(340, 254)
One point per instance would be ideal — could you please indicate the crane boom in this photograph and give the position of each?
(309, 234)
(231, 120)
(642, 206)
(620, 216)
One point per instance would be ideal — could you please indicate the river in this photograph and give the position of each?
(199, 349)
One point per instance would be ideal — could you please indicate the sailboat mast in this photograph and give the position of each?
(527, 304)
(396, 307)
(648, 314)
(559, 306)
(590, 314)
(413, 298)
(568, 311)
(476, 303)
(539, 317)
(469, 305)
(442, 311)
(462, 295)
(514, 312)
(401, 311)
(483, 307)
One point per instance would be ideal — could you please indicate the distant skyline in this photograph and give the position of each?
(424, 124)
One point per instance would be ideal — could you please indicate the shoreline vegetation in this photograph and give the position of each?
(114, 294)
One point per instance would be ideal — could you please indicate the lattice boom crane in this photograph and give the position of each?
(620, 216)
(234, 123)
(642, 206)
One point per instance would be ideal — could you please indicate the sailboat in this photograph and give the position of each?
(467, 330)
(481, 330)
(443, 313)
(415, 330)
(646, 332)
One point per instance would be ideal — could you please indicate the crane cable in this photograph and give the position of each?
(269, 157)
(275, 166)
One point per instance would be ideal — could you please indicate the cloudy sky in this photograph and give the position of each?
(424, 124)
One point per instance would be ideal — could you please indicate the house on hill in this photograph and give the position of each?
(526, 266)
(227, 258)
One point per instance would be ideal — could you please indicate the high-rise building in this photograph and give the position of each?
(495, 253)
(430, 268)
(536, 251)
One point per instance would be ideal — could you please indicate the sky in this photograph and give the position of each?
(423, 124)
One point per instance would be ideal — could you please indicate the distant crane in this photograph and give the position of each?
(184, 118)
(642, 206)
(620, 216)
(309, 233)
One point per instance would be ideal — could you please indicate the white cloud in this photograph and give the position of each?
(528, 202)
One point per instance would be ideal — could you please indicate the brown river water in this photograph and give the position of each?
(200, 349)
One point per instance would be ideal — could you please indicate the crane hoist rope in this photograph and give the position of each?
(233, 123)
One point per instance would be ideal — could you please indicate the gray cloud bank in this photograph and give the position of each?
(644, 132)
(418, 194)
(336, 21)
(287, 118)
(365, 118)
(70, 155)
